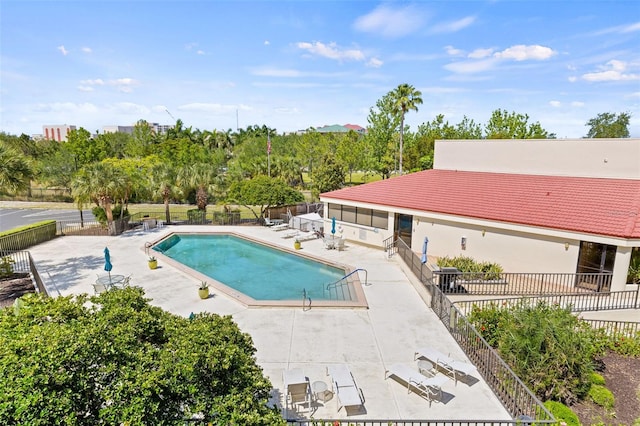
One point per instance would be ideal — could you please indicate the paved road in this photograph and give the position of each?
(13, 217)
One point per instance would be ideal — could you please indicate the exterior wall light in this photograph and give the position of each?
(566, 246)
(463, 243)
(484, 232)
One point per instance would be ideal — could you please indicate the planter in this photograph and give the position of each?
(153, 264)
(297, 245)
(203, 293)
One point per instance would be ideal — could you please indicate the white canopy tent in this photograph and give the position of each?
(307, 222)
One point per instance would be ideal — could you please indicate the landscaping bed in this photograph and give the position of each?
(622, 377)
(15, 286)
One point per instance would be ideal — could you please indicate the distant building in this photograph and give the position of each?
(118, 129)
(57, 132)
(336, 128)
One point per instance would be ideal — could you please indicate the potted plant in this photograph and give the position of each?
(153, 262)
(297, 245)
(203, 290)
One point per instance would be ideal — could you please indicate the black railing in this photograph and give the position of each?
(450, 280)
(392, 422)
(29, 237)
(616, 329)
(390, 246)
(578, 302)
(514, 394)
(191, 217)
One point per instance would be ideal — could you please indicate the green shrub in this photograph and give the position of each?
(596, 379)
(602, 396)
(486, 321)
(6, 267)
(562, 413)
(473, 270)
(549, 348)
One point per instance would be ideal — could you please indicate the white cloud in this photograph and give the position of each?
(159, 108)
(86, 88)
(87, 50)
(267, 42)
(64, 51)
(613, 70)
(620, 29)
(481, 53)
(200, 52)
(374, 63)
(190, 46)
(390, 22)
(331, 51)
(470, 67)
(452, 51)
(571, 67)
(66, 107)
(130, 108)
(454, 26)
(94, 82)
(577, 104)
(555, 104)
(522, 52)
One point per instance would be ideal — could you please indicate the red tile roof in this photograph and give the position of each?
(590, 205)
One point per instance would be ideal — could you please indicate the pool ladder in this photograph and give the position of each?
(305, 299)
(342, 283)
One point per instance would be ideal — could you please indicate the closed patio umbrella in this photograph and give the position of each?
(333, 225)
(424, 250)
(107, 262)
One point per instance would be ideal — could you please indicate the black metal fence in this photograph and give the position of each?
(450, 280)
(29, 237)
(390, 422)
(616, 329)
(191, 217)
(514, 394)
(578, 302)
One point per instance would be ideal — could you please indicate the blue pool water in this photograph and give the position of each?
(259, 271)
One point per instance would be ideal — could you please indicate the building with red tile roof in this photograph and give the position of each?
(531, 206)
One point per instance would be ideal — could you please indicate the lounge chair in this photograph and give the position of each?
(453, 367)
(297, 388)
(99, 288)
(428, 387)
(340, 244)
(291, 234)
(347, 392)
(305, 236)
(280, 227)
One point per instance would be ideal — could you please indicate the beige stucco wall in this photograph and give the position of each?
(516, 248)
(607, 158)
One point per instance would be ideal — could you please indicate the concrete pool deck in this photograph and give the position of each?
(397, 322)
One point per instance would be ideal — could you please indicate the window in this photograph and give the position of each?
(359, 215)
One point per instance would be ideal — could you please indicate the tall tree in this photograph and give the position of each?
(202, 178)
(15, 170)
(102, 184)
(263, 192)
(505, 125)
(163, 185)
(327, 176)
(609, 125)
(405, 98)
(380, 134)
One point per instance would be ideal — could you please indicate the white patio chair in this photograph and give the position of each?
(297, 388)
(453, 367)
(347, 392)
(427, 387)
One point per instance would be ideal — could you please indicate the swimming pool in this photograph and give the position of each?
(258, 274)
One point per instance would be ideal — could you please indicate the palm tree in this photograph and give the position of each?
(202, 178)
(15, 170)
(163, 178)
(405, 98)
(101, 183)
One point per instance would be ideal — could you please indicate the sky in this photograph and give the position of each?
(292, 65)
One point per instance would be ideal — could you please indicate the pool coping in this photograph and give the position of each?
(360, 298)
